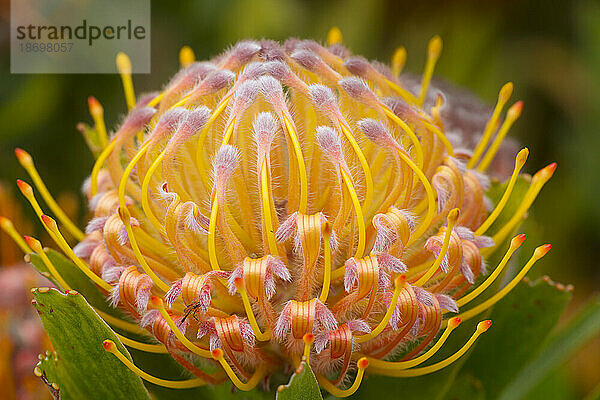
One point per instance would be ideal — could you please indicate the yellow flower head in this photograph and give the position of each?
(289, 202)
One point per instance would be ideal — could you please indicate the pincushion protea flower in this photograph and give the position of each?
(291, 202)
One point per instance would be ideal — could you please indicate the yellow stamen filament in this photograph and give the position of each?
(452, 218)
(334, 36)
(503, 97)
(359, 214)
(8, 227)
(200, 149)
(186, 56)
(433, 54)
(424, 226)
(98, 166)
(537, 254)
(378, 365)
(362, 364)
(254, 380)
(260, 336)
(399, 284)
(119, 323)
(124, 68)
(308, 339)
(364, 165)
(405, 94)
(126, 219)
(327, 267)
(212, 227)
(519, 162)
(50, 224)
(111, 347)
(148, 348)
(27, 162)
(145, 200)
(515, 243)
(538, 181)
(158, 304)
(481, 328)
(437, 132)
(413, 138)
(97, 113)
(512, 115)
(36, 246)
(266, 206)
(398, 60)
(301, 166)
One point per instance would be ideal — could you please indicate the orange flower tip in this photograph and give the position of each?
(23, 156)
(24, 187)
(400, 280)
(72, 292)
(327, 228)
(5, 222)
(362, 363)
(453, 215)
(454, 322)
(505, 92)
(484, 325)
(95, 106)
(155, 301)
(123, 63)
(217, 354)
(37, 372)
(109, 345)
(308, 338)
(543, 250)
(238, 282)
(435, 47)
(49, 222)
(518, 240)
(44, 289)
(515, 110)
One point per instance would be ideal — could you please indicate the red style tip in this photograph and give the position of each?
(22, 155)
(155, 301)
(454, 322)
(543, 250)
(519, 239)
(552, 167)
(95, 106)
(108, 345)
(24, 187)
(217, 354)
(308, 338)
(400, 280)
(238, 282)
(362, 363)
(515, 110)
(49, 222)
(484, 325)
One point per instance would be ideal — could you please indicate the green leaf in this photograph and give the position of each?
(82, 368)
(521, 322)
(303, 386)
(583, 327)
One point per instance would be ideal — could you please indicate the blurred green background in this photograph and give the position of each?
(549, 49)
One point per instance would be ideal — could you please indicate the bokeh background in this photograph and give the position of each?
(550, 50)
